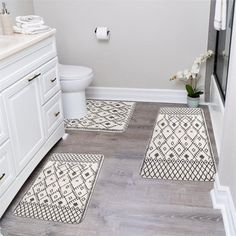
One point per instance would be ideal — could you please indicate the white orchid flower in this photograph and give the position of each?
(195, 68)
(198, 60)
(184, 80)
(190, 76)
(193, 75)
(210, 53)
(202, 56)
(179, 74)
(187, 74)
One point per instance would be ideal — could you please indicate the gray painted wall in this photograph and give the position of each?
(150, 39)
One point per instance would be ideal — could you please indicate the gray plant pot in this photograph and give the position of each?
(193, 102)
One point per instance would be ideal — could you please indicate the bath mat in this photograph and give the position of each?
(111, 116)
(62, 190)
(180, 147)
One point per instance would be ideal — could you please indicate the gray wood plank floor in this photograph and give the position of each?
(123, 203)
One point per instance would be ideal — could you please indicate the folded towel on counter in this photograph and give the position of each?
(29, 19)
(31, 31)
(220, 15)
(30, 25)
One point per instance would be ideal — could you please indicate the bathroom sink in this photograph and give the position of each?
(11, 44)
(6, 41)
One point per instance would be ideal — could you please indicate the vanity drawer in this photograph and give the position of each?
(7, 168)
(53, 113)
(49, 81)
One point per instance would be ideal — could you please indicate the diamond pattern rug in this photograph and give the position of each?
(180, 147)
(111, 116)
(63, 188)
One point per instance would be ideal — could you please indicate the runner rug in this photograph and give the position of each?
(180, 147)
(62, 190)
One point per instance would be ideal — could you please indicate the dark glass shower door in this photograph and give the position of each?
(223, 44)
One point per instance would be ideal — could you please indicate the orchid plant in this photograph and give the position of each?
(190, 77)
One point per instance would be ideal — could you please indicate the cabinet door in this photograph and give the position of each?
(3, 124)
(7, 167)
(22, 104)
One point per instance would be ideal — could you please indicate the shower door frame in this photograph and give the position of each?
(222, 85)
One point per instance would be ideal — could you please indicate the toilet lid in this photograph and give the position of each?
(69, 72)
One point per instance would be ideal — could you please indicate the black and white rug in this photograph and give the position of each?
(62, 190)
(180, 147)
(113, 116)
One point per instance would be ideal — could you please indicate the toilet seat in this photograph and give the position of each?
(70, 72)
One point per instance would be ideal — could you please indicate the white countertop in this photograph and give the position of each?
(11, 44)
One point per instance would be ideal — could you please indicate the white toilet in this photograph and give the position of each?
(74, 81)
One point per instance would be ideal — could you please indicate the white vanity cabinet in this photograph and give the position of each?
(7, 167)
(23, 109)
(31, 116)
(3, 124)
(49, 82)
(53, 114)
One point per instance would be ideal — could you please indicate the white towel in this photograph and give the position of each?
(31, 31)
(220, 15)
(29, 25)
(30, 19)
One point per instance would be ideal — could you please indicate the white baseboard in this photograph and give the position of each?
(222, 199)
(137, 94)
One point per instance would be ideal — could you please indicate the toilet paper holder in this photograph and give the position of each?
(95, 31)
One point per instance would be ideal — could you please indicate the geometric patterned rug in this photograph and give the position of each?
(180, 147)
(63, 188)
(109, 116)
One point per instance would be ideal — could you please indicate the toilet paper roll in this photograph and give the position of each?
(102, 33)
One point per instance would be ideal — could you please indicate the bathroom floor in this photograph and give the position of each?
(123, 203)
